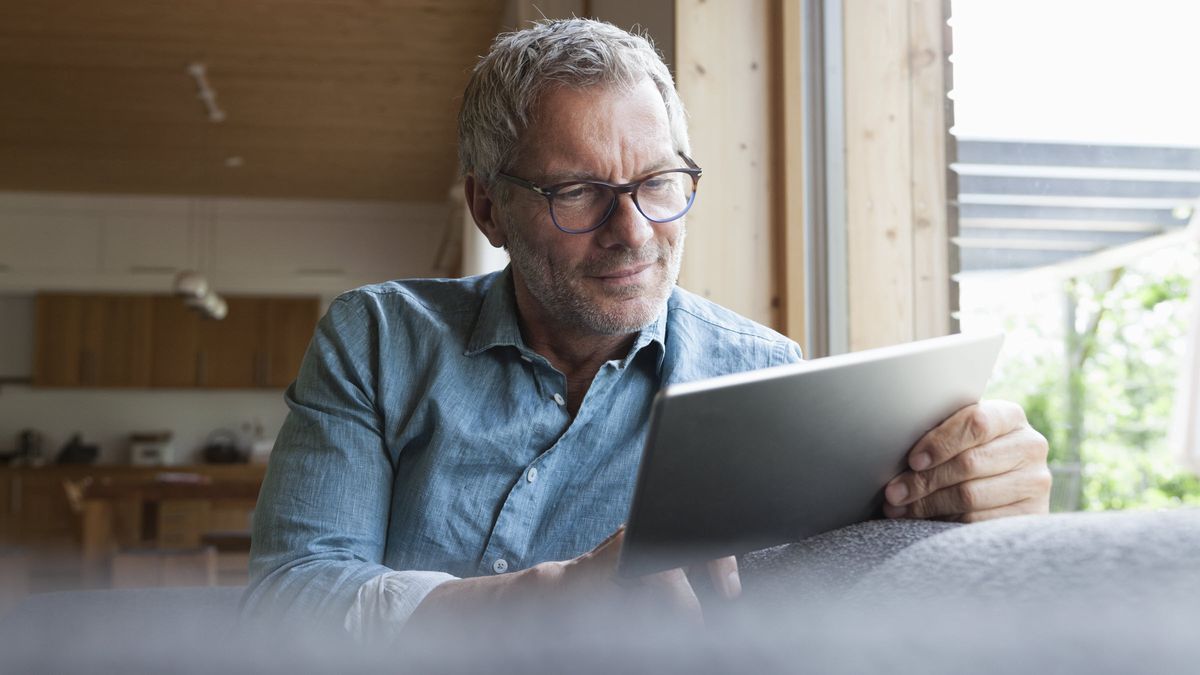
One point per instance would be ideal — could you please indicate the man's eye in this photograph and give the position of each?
(576, 193)
(656, 184)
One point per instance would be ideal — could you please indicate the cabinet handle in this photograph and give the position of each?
(201, 368)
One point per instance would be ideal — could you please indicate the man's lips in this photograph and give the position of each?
(625, 272)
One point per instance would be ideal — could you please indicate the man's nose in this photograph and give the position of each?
(626, 226)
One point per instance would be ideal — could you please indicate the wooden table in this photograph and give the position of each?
(161, 514)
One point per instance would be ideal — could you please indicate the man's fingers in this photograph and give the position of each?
(1020, 448)
(1019, 509)
(672, 588)
(969, 427)
(982, 494)
(725, 578)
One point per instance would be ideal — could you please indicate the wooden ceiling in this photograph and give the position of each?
(342, 99)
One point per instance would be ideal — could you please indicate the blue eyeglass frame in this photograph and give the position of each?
(549, 191)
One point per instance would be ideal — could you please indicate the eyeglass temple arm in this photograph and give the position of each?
(525, 184)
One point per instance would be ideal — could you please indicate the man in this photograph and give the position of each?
(457, 443)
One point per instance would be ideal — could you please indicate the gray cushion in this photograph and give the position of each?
(826, 566)
(1122, 556)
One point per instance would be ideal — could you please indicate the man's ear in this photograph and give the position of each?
(481, 206)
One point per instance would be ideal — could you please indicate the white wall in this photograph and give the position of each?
(16, 337)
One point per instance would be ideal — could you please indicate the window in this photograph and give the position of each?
(1078, 174)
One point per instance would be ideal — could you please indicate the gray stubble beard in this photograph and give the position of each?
(553, 287)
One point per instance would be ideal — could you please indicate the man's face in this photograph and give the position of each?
(613, 280)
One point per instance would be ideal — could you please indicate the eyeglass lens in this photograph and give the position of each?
(661, 198)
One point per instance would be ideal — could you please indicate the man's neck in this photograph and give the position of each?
(574, 351)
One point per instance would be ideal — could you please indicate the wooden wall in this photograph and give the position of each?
(739, 73)
(896, 172)
(727, 91)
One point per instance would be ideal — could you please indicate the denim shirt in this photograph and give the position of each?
(423, 434)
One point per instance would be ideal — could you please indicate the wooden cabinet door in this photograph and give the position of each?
(157, 341)
(58, 344)
(231, 355)
(175, 335)
(45, 516)
(116, 341)
(287, 331)
(92, 340)
(10, 523)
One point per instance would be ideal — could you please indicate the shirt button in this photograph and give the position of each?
(532, 474)
(558, 398)
(500, 566)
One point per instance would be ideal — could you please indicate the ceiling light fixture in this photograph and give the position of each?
(197, 294)
(199, 72)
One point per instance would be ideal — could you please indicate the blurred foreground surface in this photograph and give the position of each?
(1094, 593)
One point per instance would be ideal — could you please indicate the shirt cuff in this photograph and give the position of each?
(385, 603)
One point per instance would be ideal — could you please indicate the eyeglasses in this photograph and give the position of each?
(582, 206)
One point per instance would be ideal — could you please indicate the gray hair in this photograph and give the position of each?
(498, 103)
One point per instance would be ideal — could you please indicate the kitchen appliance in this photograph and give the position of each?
(28, 451)
(150, 448)
(222, 448)
(78, 452)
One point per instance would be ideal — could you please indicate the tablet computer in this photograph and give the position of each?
(745, 461)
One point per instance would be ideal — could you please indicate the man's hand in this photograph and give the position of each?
(983, 462)
(592, 577)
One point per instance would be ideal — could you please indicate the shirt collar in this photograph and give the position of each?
(496, 325)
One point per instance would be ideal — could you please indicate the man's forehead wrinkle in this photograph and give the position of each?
(617, 132)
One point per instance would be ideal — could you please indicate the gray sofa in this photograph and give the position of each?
(1095, 593)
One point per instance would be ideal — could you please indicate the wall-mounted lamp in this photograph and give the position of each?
(197, 294)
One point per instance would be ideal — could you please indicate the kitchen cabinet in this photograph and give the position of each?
(289, 327)
(175, 339)
(137, 243)
(10, 492)
(258, 344)
(231, 350)
(156, 242)
(92, 340)
(48, 242)
(157, 341)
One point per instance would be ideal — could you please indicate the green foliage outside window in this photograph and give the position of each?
(1116, 377)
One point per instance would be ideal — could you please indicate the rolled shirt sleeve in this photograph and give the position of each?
(384, 604)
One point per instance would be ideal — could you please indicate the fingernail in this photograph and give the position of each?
(894, 511)
(896, 492)
(920, 461)
(733, 585)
